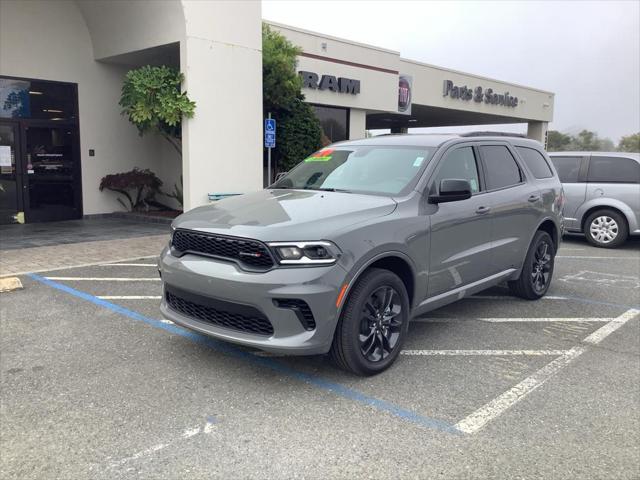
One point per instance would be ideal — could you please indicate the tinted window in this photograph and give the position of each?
(568, 168)
(536, 162)
(459, 164)
(334, 123)
(37, 99)
(358, 168)
(613, 170)
(502, 169)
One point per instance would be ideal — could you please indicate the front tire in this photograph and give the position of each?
(606, 229)
(537, 270)
(373, 324)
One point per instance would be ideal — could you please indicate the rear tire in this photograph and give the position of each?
(373, 324)
(537, 270)
(606, 229)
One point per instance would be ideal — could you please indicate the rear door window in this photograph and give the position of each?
(613, 170)
(501, 168)
(568, 168)
(536, 162)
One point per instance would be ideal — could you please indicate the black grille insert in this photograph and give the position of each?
(250, 253)
(301, 309)
(236, 316)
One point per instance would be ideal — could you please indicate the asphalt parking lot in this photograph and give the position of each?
(96, 385)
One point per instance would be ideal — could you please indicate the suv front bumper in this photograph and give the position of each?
(224, 283)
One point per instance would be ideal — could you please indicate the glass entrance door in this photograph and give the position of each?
(51, 173)
(10, 188)
(40, 178)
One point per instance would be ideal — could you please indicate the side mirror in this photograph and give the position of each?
(452, 190)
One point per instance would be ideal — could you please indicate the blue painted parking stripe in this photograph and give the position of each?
(272, 364)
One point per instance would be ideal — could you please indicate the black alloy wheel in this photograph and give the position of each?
(373, 323)
(537, 268)
(381, 324)
(541, 271)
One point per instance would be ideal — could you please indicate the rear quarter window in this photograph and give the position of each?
(536, 162)
(613, 170)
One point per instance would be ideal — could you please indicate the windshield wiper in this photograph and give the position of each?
(328, 189)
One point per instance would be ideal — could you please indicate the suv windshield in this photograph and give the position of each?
(380, 169)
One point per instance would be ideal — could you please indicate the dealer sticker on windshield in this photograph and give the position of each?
(323, 155)
(418, 161)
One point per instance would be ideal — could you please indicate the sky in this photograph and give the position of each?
(587, 53)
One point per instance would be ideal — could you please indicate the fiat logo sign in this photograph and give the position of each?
(404, 93)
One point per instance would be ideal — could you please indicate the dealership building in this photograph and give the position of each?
(62, 64)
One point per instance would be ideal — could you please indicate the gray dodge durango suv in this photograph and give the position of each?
(602, 194)
(338, 255)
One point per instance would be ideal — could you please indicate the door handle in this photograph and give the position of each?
(482, 210)
(534, 198)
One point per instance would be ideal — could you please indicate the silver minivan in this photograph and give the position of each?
(602, 191)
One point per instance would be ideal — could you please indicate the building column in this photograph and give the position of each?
(221, 58)
(357, 123)
(538, 131)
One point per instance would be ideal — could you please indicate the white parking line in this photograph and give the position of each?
(103, 279)
(491, 353)
(500, 404)
(129, 297)
(207, 429)
(511, 319)
(598, 258)
(128, 265)
(508, 297)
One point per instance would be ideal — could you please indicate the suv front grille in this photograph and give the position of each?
(250, 253)
(235, 316)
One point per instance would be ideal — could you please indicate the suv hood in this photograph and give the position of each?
(286, 215)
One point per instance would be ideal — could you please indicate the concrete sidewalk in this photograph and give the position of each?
(37, 259)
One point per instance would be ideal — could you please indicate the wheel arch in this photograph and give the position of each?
(606, 204)
(597, 207)
(549, 226)
(394, 261)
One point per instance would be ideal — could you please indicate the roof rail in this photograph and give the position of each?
(493, 134)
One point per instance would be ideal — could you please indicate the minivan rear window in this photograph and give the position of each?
(536, 162)
(613, 170)
(568, 168)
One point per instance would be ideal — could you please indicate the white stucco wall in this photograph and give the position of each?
(378, 89)
(221, 58)
(533, 104)
(50, 40)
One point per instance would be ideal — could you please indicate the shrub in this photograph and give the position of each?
(138, 187)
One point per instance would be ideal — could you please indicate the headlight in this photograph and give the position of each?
(305, 253)
(172, 230)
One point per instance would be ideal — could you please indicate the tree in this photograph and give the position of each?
(587, 140)
(630, 143)
(280, 83)
(299, 135)
(557, 141)
(137, 186)
(299, 130)
(152, 100)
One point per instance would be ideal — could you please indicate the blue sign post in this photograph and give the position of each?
(269, 142)
(270, 133)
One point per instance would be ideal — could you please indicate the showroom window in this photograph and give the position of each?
(334, 122)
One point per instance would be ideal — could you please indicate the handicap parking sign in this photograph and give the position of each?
(269, 132)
